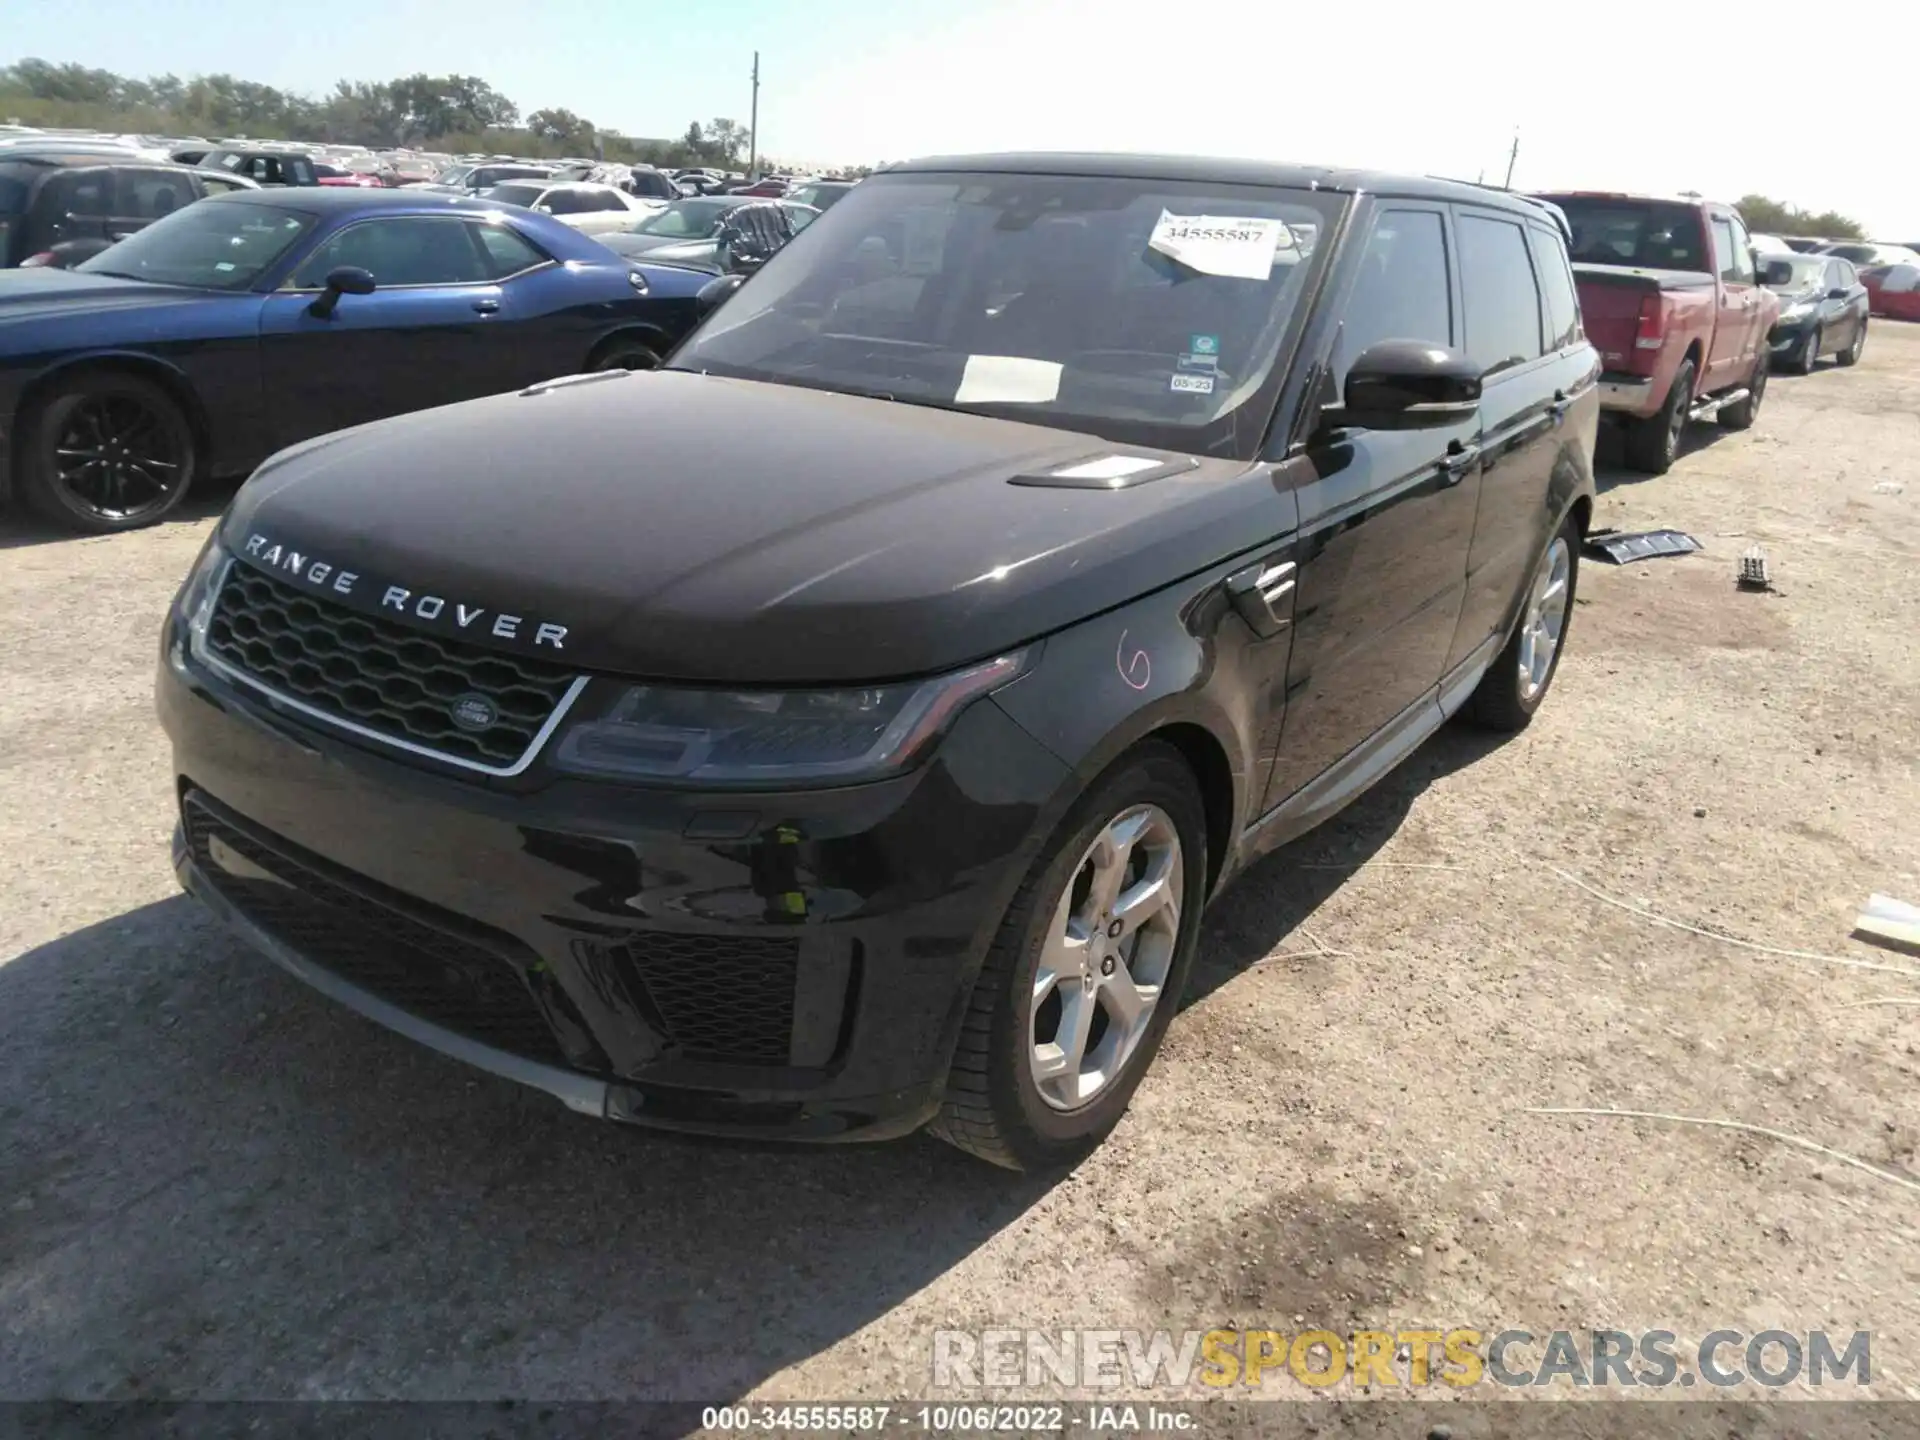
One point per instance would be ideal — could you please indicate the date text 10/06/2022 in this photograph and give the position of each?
(976, 1419)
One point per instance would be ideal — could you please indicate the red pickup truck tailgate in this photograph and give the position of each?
(1611, 301)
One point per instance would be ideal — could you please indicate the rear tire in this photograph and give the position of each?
(107, 451)
(1742, 415)
(1511, 691)
(1018, 1093)
(624, 355)
(1652, 444)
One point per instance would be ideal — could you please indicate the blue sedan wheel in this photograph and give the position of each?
(110, 452)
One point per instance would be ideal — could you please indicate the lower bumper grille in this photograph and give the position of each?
(444, 978)
(719, 997)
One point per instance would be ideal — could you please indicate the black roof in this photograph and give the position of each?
(54, 157)
(1222, 172)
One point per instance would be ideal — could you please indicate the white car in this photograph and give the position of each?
(595, 209)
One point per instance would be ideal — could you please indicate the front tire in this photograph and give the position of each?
(1808, 355)
(1855, 346)
(106, 452)
(1085, 973)
(624, 355)
(1510, 692)
(1653, 444)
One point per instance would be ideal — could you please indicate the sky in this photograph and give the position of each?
(1703, 100)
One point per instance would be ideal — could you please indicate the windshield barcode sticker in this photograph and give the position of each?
(1239, 246)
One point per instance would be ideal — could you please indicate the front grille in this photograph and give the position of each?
(443, 978)
(720, 997)
(396, 682)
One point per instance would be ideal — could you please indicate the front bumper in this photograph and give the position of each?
(777, 966)
(1788, 335)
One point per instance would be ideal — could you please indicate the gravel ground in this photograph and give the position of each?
(215, 1184)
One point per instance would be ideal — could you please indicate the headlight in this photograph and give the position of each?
(775, 737)
(196, 596)
(1799, 310)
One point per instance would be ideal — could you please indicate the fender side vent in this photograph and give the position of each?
(1108, 470)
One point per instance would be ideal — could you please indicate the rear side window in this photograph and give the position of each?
(567, 202)
(507, 253)
(1401, 292)
(608, 200)
(1501, 296)
(1556, 286)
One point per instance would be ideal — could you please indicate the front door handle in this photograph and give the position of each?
(1458, 460)
(1558, 409)
(487, 306)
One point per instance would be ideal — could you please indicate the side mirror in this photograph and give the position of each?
(341, 280)
(716, 292)
(1407, 385)
(1776, 272)
(1838, 292)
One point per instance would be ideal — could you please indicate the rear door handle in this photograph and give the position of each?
(487, 306)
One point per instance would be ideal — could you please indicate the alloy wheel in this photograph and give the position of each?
(1107, 956)
(117, 458)
(1545, 620)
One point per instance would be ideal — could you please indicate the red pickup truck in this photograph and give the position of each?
(1670, 298)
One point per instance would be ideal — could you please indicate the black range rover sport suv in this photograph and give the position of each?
(841, 729)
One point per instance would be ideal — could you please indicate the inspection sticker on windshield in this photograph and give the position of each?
(1242, 246)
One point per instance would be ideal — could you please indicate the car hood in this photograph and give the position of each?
(45, 292)
(691, 527)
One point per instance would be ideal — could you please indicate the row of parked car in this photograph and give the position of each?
(1691, 313)
(244, 308)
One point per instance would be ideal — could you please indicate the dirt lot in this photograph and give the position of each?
(213, 1183)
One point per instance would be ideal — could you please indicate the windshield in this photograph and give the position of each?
(214, 245)
(453, 175)
(526, 195)
(1141, 310)
(1858, 254)
(686, 219)
(1652, 234)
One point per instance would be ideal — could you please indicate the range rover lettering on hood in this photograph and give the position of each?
(436, 611)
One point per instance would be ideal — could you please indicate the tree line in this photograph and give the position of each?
(1772, 217)
(455, 113)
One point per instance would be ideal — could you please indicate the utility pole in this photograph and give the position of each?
(753, 124)
(1512, 155)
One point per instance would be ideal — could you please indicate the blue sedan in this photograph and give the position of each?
(247, 322)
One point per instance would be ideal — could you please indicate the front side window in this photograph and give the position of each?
(1149, 311)
(1401, 292)
(1742, 252)
(1723, 249)
(1500, 293)
(219, 245)
(403, 250)
(568, 202)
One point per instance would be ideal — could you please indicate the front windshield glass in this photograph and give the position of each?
(214, 245)
(453, 175)
(1149, 311)
(685, 220)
